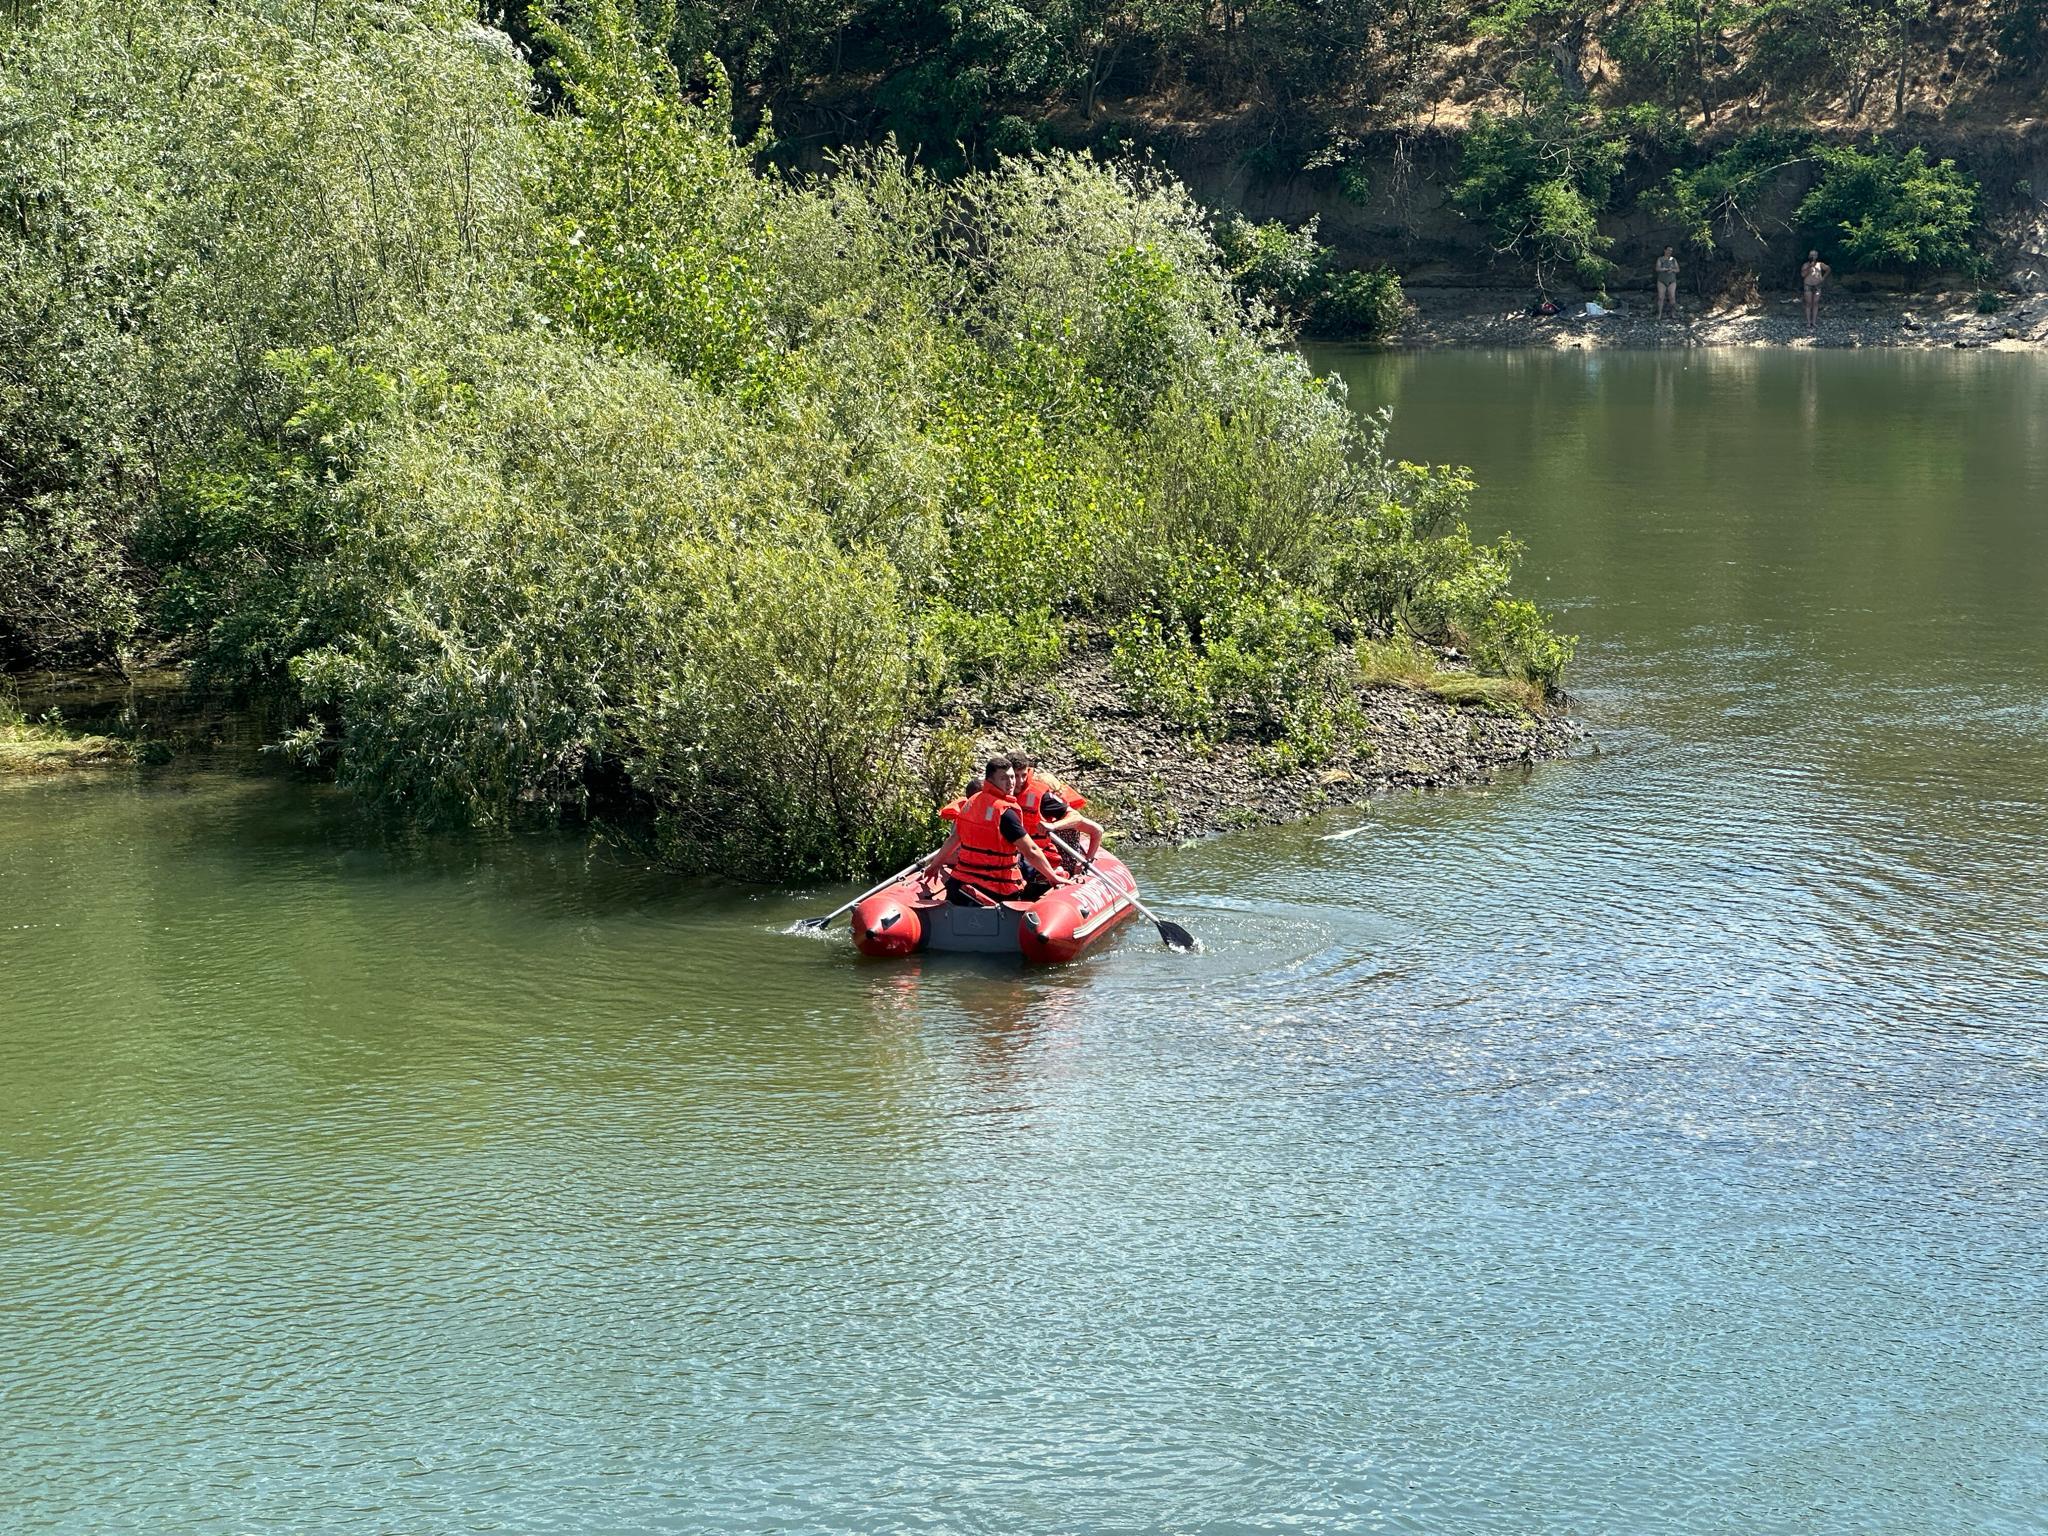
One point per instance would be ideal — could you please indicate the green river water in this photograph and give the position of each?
(1658, 1143)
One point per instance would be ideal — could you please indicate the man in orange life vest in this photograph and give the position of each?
(989, 849)
(1050, 806)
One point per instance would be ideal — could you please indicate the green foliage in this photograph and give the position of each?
(566, 463)
(1513, 639)
(240, 534)
(1885, 210)
(959, 85)
(1294, 272)
(1989, 302)
(658, 239)
(1360, 306)
(1540, 182)
(1814, 50)
(1653, 44)
(1267, 664)
(1281, 265)
(1714, 199)
(1667, 49)
(2022, 33)
(186, 188)
(1002, 652)
(1549, 35)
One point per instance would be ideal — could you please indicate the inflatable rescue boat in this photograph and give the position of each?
(908, 916)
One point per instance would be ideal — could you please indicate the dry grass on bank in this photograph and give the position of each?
(1403, 665)
(36, 747)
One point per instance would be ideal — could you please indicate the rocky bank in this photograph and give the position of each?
(1146, 783)
(1474, 317)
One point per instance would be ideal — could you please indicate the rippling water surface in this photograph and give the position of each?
(1654, 1144)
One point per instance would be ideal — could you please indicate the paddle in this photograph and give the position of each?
(813, 924)
(1172, 935)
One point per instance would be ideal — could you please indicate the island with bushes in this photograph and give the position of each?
(522, 442)
(726, 423)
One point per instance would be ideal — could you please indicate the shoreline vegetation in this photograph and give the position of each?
(1427, 723)
(1950, 320)
(1438, 726)
(532, 446)
(48, 744)
(508, 408)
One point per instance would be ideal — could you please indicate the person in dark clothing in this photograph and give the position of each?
(1052, 809)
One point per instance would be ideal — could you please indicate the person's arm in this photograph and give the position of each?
(938, 863)
(1090, 834)
(1034, 856)
(1012, 828)
(1080, 831)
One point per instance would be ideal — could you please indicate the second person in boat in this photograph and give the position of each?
(1050, 807)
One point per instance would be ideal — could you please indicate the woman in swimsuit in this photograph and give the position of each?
(1812, 273)
(1667, 283)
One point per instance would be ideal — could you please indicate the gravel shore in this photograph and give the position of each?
(1145, 784)
(1491, 318)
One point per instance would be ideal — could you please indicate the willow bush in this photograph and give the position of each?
(185, 187)
(540, 451)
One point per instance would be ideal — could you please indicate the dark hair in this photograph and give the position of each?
(994, 763)
(1023, 762)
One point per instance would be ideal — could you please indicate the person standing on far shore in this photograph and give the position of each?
(1667, 283)
(1812, 273)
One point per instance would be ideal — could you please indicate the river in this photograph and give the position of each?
(1658, 1143)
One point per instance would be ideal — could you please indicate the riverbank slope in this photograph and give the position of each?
(1148, 783)
(1487, 317)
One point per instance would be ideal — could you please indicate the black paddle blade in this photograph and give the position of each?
(809, 924)
(1175, 937)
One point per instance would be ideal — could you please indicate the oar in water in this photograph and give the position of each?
(1172, 935)
(813, 924)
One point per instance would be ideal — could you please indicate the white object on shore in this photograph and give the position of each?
(1594, 311)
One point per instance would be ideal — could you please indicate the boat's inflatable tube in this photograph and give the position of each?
(904, 918)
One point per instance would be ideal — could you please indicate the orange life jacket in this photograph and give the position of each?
(985, 859)
(1030, 800)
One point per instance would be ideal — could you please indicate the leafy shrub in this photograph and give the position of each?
(1360, 306)
(1294, 272)
(1281, 265)
(192, 186)
(1654, 43)
(1540, 182)
(1265, 665)
(1001, 652)
(1513, 640)
(1727, 190)
(1012, 135)
(1989, 302)
(768, 719)
(1885, 210)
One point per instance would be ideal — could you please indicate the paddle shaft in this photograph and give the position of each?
(1131, 895)
(908, 869)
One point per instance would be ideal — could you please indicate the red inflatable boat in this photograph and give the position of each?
(906, 917)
